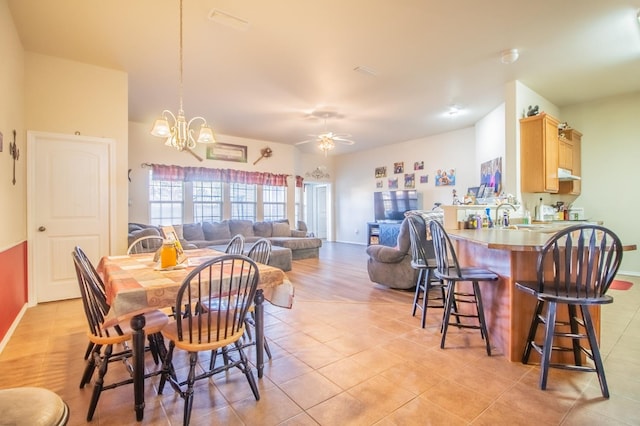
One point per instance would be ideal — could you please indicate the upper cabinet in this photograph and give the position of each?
(573, 139)
(539, 153)
(543, 150)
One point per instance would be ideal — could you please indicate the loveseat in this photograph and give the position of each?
(206, 234)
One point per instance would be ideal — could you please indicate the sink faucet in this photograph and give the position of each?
(514, 208)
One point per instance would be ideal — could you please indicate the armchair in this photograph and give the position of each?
(391, 266)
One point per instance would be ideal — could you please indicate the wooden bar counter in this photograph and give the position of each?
(512, 254)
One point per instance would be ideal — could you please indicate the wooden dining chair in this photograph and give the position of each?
(260, 252)
(146, 244)
(104, 337)
(231, 281)
(575, 268)
(235, 245)
(449, 270)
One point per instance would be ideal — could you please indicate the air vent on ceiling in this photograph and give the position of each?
(229, 20)
(366, 71)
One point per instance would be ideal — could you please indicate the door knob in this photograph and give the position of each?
(42, 229)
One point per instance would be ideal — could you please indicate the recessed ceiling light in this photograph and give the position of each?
(509, 56)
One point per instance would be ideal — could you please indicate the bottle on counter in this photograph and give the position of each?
(540, 211)
(488, 216)
(526, 220)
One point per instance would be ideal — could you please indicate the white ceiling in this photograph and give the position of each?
(299, 55)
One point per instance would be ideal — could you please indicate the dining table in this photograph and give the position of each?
(136, 284)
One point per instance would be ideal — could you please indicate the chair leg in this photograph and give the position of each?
(573, 323)
(535, 321)
(91, 366)
(97, 387)
(483, 323)
(416, 296)
(168, 372)
(595, 350)
(548, 344)
(451, 285)
(188, 393)
(87, 353)
(425, 295)
(267, 349)
(248, 372)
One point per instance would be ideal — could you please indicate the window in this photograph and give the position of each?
(243, 201)
(274, 202)
(165, 202)
(207, 201)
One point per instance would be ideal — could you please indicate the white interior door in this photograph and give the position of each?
(69, 204)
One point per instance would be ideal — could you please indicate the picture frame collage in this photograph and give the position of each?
(443, 177)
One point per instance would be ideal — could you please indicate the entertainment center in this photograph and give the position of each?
(389, 208)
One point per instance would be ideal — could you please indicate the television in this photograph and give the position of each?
(390, 206)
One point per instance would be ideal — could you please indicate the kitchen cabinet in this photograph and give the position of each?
(565, 153)
(539, 153)
(574, 139)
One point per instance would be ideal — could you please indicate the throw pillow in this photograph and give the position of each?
(263, 229)
(281, 230)
(192, 231)
(243, 227)
(216, 231)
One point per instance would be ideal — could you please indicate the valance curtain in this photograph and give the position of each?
(299, 180)
(204, 174)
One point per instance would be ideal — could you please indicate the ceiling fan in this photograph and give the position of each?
(327, 140)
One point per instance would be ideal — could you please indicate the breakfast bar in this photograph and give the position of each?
(512, 254)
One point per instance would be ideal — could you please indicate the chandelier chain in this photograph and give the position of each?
(180, 71)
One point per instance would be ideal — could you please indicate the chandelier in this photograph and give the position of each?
(179, 133)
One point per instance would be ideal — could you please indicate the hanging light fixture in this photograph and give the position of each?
(326, 143)
(180, 134)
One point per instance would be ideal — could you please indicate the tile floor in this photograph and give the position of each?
(348, 353)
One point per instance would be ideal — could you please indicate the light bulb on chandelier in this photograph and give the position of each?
(180, 134)
(326, 144)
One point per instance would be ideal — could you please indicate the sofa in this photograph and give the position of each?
(207, 234)
(391, 266)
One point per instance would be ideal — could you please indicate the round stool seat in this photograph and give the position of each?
(32, 406)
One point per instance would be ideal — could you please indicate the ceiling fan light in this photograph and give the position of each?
(206, 134)
(161, 128)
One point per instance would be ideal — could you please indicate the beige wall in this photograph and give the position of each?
(12, 197)
(66, 97)
(144, 148)
(355, 180)
(610, 167)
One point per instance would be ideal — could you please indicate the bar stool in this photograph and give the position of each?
(449, 270)
(575, 268)
(423, 259)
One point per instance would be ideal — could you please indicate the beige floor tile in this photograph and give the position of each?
(310, 389)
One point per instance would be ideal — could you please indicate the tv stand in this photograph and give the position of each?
(385, 233)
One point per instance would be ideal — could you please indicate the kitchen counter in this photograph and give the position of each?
(512, 254)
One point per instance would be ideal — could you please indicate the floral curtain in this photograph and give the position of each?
(164, 172)
(299, 180)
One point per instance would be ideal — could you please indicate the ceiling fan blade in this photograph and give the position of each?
(344, 141)
(303, 142)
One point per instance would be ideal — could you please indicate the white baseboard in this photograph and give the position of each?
(13, 327)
